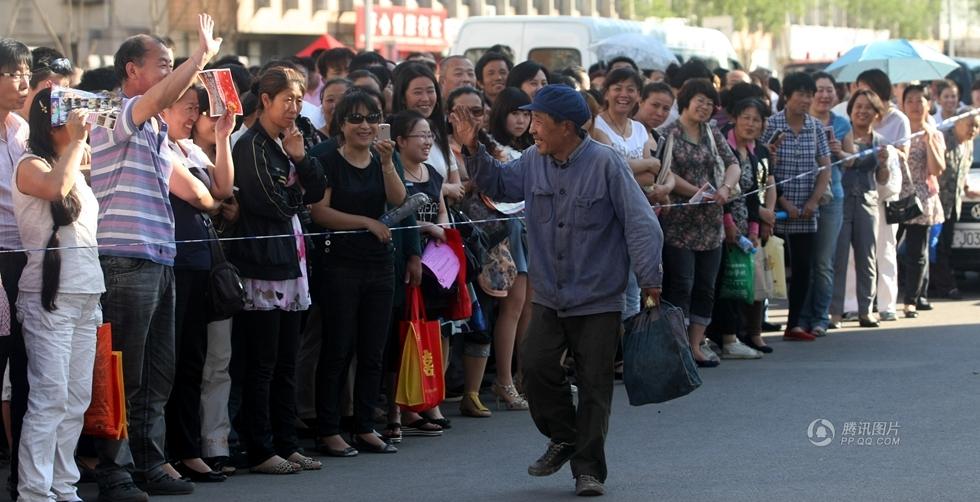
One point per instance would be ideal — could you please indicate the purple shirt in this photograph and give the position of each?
(131, 180)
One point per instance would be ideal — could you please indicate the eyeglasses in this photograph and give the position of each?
(357, 118)
(61, 66)
(16, 76)
(429, 136)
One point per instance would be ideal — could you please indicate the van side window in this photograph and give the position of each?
(555, 58)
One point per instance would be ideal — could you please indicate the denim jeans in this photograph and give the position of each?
(139, 303)
(816, 307)
(689, 281)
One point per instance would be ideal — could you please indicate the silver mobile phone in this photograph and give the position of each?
(384, 132)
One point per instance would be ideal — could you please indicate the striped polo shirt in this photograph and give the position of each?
(131, 179)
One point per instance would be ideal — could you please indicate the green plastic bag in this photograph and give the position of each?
(738, 279)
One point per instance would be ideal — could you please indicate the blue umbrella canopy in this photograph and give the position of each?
(901, 60)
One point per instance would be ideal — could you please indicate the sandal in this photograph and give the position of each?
(305, 463)
(445, 423)
(421, 427)
(273, 466)
(393, 433)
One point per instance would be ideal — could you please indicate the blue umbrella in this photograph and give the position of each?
(901, 60)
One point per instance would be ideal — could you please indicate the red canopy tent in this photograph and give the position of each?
(324, 42)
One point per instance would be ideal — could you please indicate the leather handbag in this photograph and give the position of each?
(226, 291)
(906, 208)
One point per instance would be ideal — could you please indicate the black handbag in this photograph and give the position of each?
(905, 208)
(226, 291)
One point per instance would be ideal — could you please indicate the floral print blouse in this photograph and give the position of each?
(697, 227)
(925, 185)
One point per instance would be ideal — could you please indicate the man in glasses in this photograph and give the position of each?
(50, 68)
(15, 73)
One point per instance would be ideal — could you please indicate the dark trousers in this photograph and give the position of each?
(801, 261)
(139, 303)
(942, 276)
(689, 281)
(356, 317)
(267, 419)
(916, 260)
(592, 341)
(191, 346)
(13, 353)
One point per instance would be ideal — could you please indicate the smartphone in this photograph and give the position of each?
(830, 133)
(384, 132)
(775, 137)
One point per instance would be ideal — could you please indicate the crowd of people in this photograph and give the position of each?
(114, 225)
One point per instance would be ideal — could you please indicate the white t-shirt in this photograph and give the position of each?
(80, 269)
(894, 128)
(314, 113)
(438, 161)
(631, 148)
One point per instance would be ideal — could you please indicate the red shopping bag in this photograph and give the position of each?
(421, 385)
(462, 306)
(106, 414)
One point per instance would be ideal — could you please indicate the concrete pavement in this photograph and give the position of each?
(742, 436)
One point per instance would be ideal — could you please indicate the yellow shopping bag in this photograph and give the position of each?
(776, 262)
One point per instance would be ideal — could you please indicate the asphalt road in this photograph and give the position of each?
(742, 436)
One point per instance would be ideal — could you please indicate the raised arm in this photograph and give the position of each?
(501, 182)
(223, 170)
(37, 179)
(170, 89)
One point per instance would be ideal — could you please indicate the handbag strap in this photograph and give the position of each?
(217, 253)
(414, 310)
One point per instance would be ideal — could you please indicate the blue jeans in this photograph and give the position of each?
(139, 303)
(816, 307)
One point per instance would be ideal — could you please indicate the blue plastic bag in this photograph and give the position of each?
(657, 361)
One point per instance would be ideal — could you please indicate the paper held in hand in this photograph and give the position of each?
(222, 93)
(442, 261)
(103, 107)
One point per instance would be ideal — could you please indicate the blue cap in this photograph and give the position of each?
(562, 103)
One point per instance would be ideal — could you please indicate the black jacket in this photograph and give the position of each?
(268, 205)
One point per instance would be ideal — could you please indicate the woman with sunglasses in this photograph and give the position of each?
(417, 89)
(358, 276)
(276, 179)
(58, 300)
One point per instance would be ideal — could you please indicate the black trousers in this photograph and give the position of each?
(916, 261)
(801, 261)
(268, 346)
(191, 346)
(12, 351)
(942, 277)
(356, 316)
(592, 341)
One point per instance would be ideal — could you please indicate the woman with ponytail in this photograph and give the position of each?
(59, 297)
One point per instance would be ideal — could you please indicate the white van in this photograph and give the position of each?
(561, 41)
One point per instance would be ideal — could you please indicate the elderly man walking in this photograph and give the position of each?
(587, 221)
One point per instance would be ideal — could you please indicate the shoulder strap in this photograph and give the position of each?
(217, 253)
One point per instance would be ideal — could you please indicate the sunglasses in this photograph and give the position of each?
(61, 66)
(357, 118)
(477, 111)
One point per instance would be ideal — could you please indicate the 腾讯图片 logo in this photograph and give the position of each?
(820, 432)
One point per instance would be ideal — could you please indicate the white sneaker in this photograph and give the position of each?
(738, 350)
(708, 353)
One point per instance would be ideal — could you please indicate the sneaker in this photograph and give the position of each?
(714, 346)
(553, 459)
(709, 354)
(588, 486)
(888, 316)
(850, 316)
(122, 492)
(738, 350)
(164, 484)
(818, 332)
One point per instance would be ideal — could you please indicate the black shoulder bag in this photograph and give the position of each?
(226, 292)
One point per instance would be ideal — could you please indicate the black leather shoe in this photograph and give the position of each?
(769, 327)
(163, 484)
(708, 363)
(199, 477)
(911, 314)
(553, 459)
(765, 349)
(923, 305)
(868, 323)
(330, 452)
(365, 446)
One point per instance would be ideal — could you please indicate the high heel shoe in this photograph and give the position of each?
(471, 406)
(508, 394)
